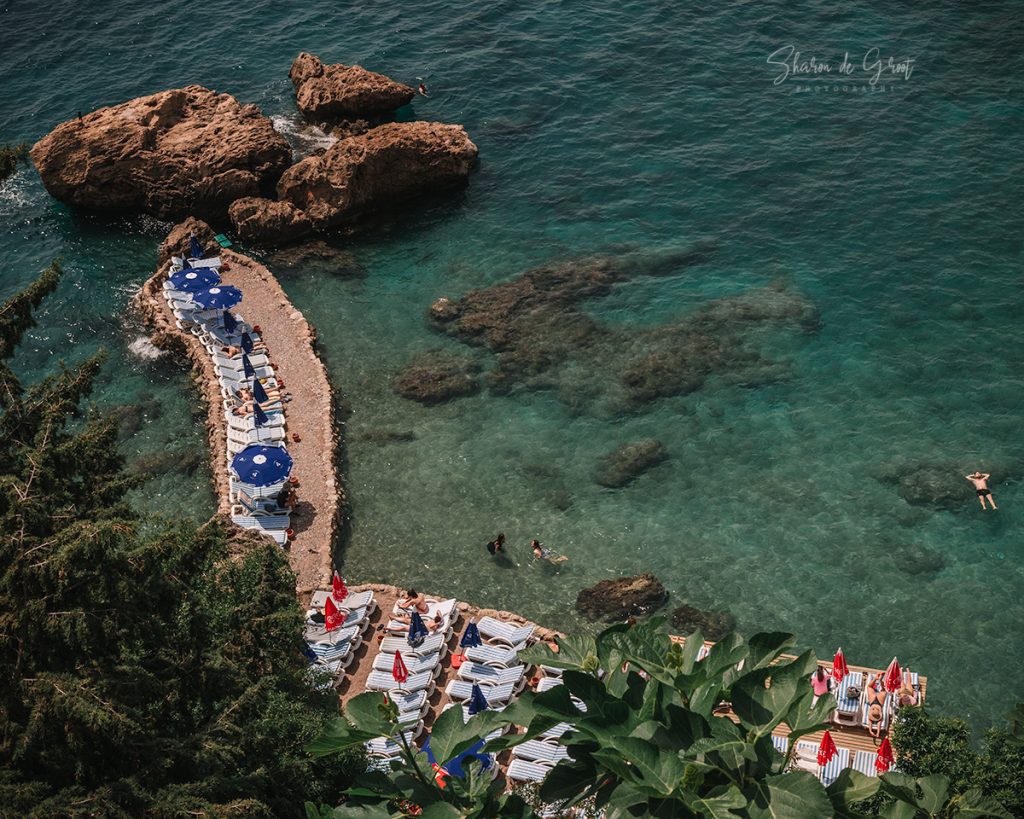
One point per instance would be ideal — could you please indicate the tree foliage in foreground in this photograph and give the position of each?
(650, 740)
(158, 676)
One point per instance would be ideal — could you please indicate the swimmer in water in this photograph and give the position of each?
(540, 553)
(980, 482)
(422, 90)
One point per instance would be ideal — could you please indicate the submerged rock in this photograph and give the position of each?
(361, 174)
(915, 559)
(333, 92)
(130, 418)
(625, 597)
(387, 436)
(185, 462)
(185, 151)
(627, 462)
(434, 377)
(714, 624)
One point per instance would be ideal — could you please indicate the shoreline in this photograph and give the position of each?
(310, 414)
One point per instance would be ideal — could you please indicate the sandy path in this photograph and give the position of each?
(310, 414)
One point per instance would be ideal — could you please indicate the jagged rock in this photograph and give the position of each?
(714, 624)
(185, 151)
(434, 377)
(627, 462)
(379, 169)
(332, 92)
(254, 217)
(625, 597)
(178, 240)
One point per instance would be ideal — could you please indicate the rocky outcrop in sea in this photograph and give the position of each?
(331, 93)
(179, 152)
(612, 600)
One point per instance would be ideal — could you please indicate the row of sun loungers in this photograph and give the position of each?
(333, 651)
(261, 513)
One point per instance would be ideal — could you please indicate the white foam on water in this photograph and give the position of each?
(304, 138)
(143, 348)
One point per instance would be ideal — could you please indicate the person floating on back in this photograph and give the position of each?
(495, 545)
(422, 90)
(540, 553)
(980, 482)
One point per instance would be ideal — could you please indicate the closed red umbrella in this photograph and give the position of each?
(332, 617)
(338, 590)
(839, 669)
(893, 677)
(883, 761)
(398, 670)
(827, 749)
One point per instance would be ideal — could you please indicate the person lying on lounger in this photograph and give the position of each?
(909, 694)
(432, 623)
(414, 600)
(875, 696)
(232, 351)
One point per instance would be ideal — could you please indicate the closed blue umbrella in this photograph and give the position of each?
(259, 417)
(230, 322)
(247, 367)
(195, 250)
(246, 342)
(262, 465)
(259, 393)
(217, 298)
(471, 639)
(477, 701)
(417, 630)
(193, 280)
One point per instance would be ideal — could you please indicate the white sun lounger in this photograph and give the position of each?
(353, 600)
(414, 664)
(356, 618)
(448, 616)
(329, 652)
(547, 683)
(492, 655)
(556, 731)
(247, 423)
(519, 770)
(342, 635)
(433, 644)
(254, 524)
(388, 747)
(414, 702)
(535, 750)
(781, 744)
(828, 773)
(261, 435)
(478, 672)
(383, 681)
(495, 695)
(864, 761)
(848, 710)
(499, 631)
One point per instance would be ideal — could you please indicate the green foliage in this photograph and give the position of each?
(156, 676)
(9, 157)
(648, 740)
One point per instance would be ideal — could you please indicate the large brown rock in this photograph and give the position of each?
(177, 241)
(185, 151)
(326, 93)
(370, 172)
(625, 597)
(255, 218)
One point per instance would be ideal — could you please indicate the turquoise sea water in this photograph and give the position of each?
(635, 127)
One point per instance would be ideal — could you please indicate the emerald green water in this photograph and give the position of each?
(616, 128)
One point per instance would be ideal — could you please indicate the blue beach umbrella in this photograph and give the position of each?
(193, 280)
(417, 631)
(258, 392)
(195, 250)
(259, 417)
(230, 322)
(246, 341)
(477, 701)
(262, 465)
(471, 639)
(454, 766)
(247, 367)
(217, 298)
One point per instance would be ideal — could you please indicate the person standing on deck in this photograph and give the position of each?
(980, 482)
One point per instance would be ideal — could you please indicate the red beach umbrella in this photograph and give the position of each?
(338, 590)
(883, 761)
(332, 617)
(827, 749)
(893, 677)
(398, 670)
(839, 669)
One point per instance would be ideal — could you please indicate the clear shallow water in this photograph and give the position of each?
(604, 128)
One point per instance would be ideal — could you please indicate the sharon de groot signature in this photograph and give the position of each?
(873, 67)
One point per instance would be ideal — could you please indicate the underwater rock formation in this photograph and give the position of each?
(627, 462)
(624, 597)
(435, 376)
(713, 624)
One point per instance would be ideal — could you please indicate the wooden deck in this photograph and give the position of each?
(852, 737)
